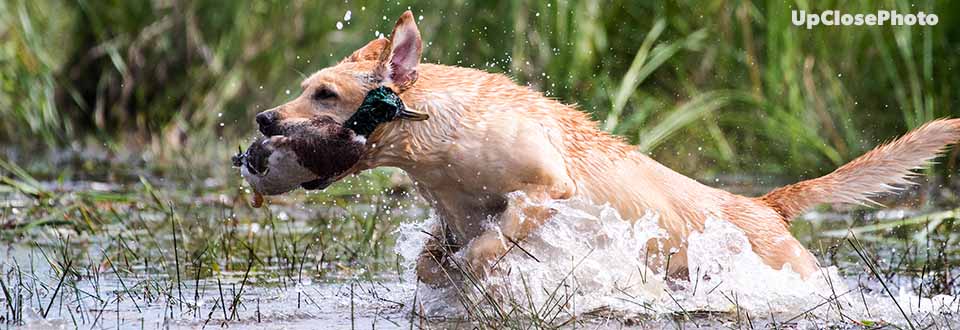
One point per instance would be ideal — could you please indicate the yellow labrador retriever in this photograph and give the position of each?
(487, 137)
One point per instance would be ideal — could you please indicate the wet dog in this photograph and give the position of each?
(488, 138)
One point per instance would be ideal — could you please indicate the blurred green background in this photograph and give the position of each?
(707, 87)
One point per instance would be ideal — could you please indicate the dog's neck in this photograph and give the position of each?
(457, 100)
(409, 144)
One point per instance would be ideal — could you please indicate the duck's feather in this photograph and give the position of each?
(271, 169)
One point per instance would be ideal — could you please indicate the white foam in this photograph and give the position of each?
(592, 259)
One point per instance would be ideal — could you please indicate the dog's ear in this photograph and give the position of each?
(399, 63)
(370, 52)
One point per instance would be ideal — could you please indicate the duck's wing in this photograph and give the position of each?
(324, 147)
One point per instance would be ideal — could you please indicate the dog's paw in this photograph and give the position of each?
(484, 253)
(439, 268)
(431, 271)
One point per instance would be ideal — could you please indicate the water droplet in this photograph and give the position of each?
(346, 17)
(339, 25)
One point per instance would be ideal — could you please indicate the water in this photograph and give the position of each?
(590, 259)
(152, 301)
(320, 261)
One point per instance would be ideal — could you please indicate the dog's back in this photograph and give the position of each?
(634, 183)
(605, 169)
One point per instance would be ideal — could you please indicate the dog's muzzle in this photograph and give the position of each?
(267, 122)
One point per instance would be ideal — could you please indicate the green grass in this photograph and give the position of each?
(154, 242)
(744, 88)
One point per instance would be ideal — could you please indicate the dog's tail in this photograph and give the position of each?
(880, 170)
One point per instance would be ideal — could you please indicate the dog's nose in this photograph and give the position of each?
(266, 118)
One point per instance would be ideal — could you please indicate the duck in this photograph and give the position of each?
(306, 153)
(311, 154)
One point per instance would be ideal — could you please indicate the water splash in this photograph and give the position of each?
(589, 259)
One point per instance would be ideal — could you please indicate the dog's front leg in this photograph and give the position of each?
(433, 264)
(525, 213)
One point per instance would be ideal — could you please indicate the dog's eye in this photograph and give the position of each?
(323, 94)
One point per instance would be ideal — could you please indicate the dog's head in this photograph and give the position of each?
(338, 91)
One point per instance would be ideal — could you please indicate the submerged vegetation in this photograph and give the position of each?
(153, 254)
(118, 205)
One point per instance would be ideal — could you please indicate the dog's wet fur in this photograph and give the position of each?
(493, 153)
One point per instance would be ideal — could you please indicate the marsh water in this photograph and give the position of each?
(147, 252)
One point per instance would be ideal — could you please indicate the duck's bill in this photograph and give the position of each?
(237, 160)
(413, 115)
